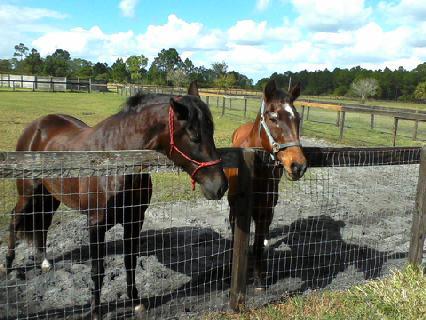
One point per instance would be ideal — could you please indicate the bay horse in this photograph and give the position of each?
(180, 127)
(276, 130)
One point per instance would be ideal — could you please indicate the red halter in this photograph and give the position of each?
(174, 148)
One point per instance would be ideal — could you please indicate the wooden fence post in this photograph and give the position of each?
(90, 85)
(418, 228)
(230, 103)
(307, 113)
(395, 130)
(217, 101)
(223, 106)
(342, 125)
(208, 101)
(372, 121)
(245, 107)
(301, 121)
(243, 215)
(338, 119)
(34, 83)
(416, 126)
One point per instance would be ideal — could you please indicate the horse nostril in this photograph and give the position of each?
(298, 169)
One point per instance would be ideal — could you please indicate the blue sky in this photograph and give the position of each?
(254, 37)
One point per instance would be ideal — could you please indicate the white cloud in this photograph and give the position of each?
(249, 32)
(262, 4)
(17, 23)
(128, 7)
(176, 33)
(331, 15)
(91, 44)
(404, 11)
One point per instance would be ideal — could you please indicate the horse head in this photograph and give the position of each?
(191, 144)
(279, 129)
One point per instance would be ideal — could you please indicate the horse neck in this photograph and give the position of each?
(254, 133)
(146, 129)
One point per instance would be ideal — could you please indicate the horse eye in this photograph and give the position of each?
(195, 137)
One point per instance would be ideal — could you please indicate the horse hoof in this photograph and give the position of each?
(3, 271)
(260, 285)
(259, 289)
(46, 266)
(3, 268)
(139, 311)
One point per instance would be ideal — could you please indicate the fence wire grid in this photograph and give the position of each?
(335, 227)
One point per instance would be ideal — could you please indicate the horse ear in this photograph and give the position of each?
(193, 89)
(270, 89)
(181, 110)
(295, 92)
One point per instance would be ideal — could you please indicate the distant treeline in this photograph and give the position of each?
(168, 68)
(399, 84)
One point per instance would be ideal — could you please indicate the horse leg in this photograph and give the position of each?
(97, 254)
(48, 205)
(262, 221)
(139, 197)
(232, 224)
(32, 216)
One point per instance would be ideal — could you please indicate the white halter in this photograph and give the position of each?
(276, 147)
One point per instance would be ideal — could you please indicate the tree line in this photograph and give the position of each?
(168, 68)
(399, 84)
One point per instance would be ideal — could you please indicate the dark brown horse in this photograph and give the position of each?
(276, 130)
(180, 127)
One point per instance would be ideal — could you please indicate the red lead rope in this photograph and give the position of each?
(174, 148)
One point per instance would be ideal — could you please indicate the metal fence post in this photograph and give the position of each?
(418, 229)
(242, 230)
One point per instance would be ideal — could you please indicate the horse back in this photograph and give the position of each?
(38, 135)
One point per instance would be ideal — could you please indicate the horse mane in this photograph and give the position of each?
(198, 111)
(137, 102)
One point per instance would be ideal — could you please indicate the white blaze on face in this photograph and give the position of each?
(289, 109)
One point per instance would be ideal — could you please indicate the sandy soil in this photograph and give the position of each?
(336, 227)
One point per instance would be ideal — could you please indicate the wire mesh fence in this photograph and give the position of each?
(337, 226)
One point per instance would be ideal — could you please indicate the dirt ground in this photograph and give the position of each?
(334, 228)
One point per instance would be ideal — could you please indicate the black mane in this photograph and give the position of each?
(199, 115)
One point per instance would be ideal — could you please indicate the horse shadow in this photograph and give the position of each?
(311, 249)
